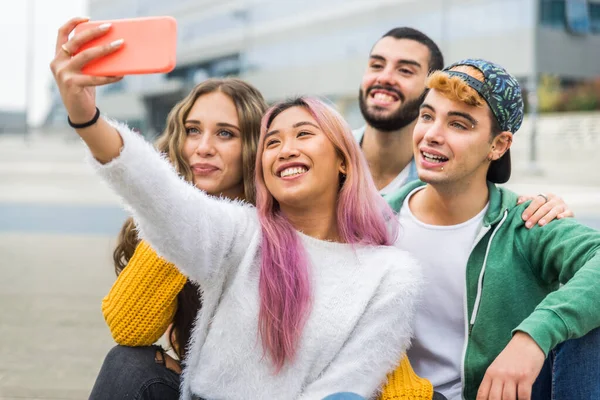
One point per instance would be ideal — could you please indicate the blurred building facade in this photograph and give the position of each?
(321, 47)
(13, 121)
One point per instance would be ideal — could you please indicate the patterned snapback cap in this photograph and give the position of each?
(502, 93)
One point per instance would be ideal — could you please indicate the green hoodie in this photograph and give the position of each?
(513, 280)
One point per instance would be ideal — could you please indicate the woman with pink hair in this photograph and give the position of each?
(304, 295)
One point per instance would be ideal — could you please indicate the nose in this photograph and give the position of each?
(386, 76)
(435, 133)
(288, 150)
(205, 146)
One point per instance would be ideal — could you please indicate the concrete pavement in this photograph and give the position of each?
(57, 230)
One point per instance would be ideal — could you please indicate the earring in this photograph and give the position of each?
(490, 157)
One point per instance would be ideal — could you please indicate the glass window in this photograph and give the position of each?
(552, 13)
(594, 16)
(577, 16)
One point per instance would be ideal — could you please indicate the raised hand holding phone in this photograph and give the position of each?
(77, 89)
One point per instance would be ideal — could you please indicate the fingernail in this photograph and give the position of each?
(105, 26)
(117, 43)
(525, 216)
(528, 224)
(542, 222)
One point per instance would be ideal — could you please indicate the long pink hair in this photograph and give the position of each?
(363, 218)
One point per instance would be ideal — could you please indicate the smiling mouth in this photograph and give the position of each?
(292, 171)
(433, 158)
(384, 97)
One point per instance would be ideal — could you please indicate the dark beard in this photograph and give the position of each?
(407, 113)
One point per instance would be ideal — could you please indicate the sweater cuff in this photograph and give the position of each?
(127, 151)
(546, 328)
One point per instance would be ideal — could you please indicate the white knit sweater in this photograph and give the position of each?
(363, 297)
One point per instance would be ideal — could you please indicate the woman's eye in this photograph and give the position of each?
(300, 134)
(192, 130)
(225, 134)
(270, 142)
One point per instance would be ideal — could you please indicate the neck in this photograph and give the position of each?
(232, 194)
(318, 223)
(387, 153)
(449, 204)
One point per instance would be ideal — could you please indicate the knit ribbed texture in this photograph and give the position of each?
(143, 300)
(405, 384)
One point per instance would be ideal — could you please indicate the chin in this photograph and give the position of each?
(293, 199)
(432, 178)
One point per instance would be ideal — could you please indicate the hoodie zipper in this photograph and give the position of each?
(469, 323)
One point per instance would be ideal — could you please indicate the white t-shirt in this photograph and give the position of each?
(443, 251)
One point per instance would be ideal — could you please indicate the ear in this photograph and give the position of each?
(342, 167)
(500, 145)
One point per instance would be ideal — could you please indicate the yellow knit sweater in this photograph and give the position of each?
(404, 384)
(143, 300)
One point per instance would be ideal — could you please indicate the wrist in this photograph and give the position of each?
(526, 340)
(77, 124)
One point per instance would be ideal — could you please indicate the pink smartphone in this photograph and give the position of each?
(150, 46)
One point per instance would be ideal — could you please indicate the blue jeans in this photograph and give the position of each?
(133, 373)
(571, 371)
(344, 396)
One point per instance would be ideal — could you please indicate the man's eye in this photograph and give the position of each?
(458, 125)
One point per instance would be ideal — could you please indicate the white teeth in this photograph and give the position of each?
(383, 97)
(293, 171)
(434, 158)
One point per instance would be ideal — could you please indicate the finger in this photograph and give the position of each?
(88, 80)
(523, 199)
(484, 388)
(536, 203)
(524, 391)
(496, 390)
(551, 215)
(538, 215)
(65, 30)
(82, 38)
(510, 391)
(93, 53)
(566, 214)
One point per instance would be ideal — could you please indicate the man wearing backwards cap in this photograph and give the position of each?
(493, 316)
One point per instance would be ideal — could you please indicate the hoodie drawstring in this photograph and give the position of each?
(482, 273)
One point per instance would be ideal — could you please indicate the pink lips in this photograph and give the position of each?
(203, 169)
